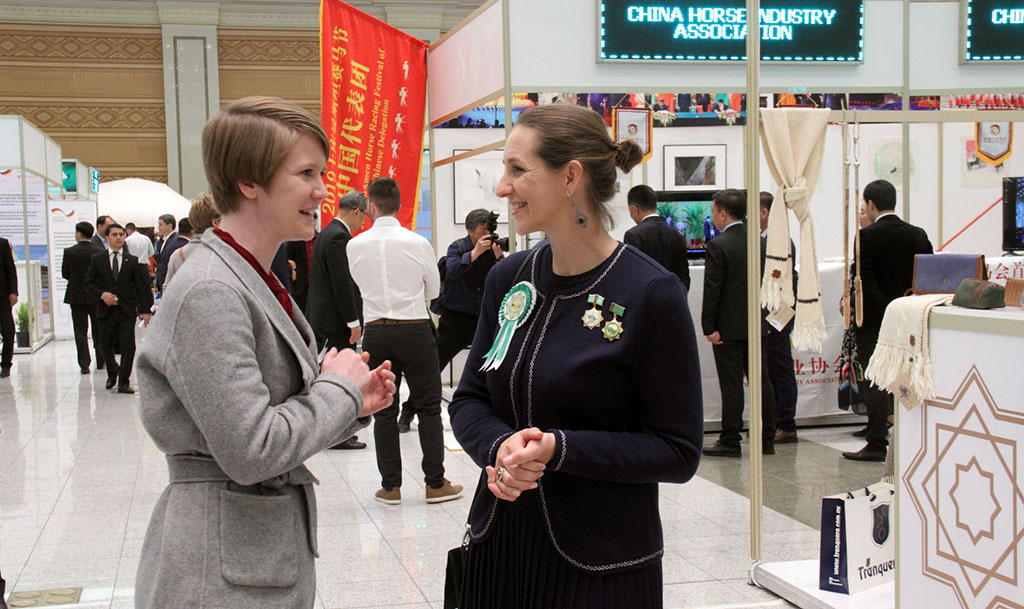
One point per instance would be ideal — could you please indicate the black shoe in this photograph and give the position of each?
(85, 370)
(868, 453)
(111, 382)
(352, 443)
(860, 433)
(721, 450)
(5, 372)
(404, 427)
(125, 389)
(99, 364)
(768, 448)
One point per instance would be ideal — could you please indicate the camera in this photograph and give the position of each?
(492, 227)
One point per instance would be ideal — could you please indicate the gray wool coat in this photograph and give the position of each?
(231, 392)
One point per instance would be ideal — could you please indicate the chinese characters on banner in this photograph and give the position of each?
(373, 83)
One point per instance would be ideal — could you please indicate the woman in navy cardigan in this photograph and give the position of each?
(591, 394)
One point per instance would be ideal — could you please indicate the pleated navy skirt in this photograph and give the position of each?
(517, 567)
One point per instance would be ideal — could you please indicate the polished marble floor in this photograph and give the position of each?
(79, 477)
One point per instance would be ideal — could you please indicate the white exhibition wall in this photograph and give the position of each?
(966, 192)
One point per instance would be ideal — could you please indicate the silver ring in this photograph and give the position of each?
(501, 472)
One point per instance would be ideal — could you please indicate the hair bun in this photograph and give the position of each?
(628, 155)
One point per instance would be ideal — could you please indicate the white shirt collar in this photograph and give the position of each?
(345, 224)
(884, 214)
(652, 215)
(731, 224)
(386, 221)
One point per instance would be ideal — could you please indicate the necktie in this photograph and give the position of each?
(115, 268)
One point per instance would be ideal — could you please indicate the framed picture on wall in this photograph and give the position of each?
(697, 167)
(475, 181)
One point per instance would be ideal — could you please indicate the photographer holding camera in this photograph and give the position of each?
(465, 268)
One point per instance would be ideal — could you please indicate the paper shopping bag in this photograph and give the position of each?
(857, 547)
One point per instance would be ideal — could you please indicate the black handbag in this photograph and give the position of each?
(455, 573)
(851, 376)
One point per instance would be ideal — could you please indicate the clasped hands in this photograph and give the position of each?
(521, 461)
(377, 385)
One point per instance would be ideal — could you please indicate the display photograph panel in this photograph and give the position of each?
(1013, 214)
(804, 31)
(689, 213)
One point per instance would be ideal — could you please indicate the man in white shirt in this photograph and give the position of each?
(138, 244)
(396, 274)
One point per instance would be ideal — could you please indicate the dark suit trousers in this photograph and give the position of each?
(7, 333)
(779, 357)
(81, 316)
(877, 400)
(413, 354)
(731, 364)
(454, 333)
(118, 329)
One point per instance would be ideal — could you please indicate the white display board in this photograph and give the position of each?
(961, 495)
(64, 215)
(468, 64)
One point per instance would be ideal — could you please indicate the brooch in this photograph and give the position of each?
(515, 308)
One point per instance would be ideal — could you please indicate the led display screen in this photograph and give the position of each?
(993, 30)
(826, 31)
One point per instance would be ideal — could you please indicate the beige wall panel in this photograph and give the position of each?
(79, 45)
(81, 82)
(108, 153)
(289, 84)
(72, 114)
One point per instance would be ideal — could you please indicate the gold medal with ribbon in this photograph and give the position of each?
(514, 310)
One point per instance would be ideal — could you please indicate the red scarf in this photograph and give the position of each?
(275, 286)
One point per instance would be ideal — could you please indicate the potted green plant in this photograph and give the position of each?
(24, 314)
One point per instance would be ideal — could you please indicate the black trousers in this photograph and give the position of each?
(779, 357)
(877, 400)
(81, 317)
(334, 342)
(413, 354)
(118, 329)
(454, 333)
(731, 364)
(7, 333)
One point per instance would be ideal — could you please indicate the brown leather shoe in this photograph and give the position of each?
(446, 492)
(389, 496)
(784, 437)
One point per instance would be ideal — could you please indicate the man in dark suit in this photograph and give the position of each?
(724, 321)
(653, 236)
(335, 309)
(119, 282)
(100, 236)
(8, 298)
(887, 250)
(83, 304)
(165, 246)
(778, 349)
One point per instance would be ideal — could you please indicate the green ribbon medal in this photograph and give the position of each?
(515, 308)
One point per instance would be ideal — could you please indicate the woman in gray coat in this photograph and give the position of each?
(231, 388)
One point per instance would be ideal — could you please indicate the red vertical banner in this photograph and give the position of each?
(373, 89)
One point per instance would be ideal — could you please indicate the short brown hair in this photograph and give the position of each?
(203, 213)
(249, 140)
(567, 132)
(385, 194)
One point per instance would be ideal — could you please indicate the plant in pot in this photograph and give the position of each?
(22, 320)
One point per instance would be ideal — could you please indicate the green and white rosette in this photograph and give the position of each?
(514, 310)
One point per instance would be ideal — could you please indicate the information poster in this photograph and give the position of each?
(64, 215)
(23, 198)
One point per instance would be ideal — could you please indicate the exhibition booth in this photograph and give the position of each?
(940, 75)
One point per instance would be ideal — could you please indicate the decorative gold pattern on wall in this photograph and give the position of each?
(283, 64)
(96, 90)
(278, 52)
(51, 118)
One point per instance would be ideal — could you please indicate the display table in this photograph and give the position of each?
(960, 467)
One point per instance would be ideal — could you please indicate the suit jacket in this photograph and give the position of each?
(228, 378)
(164, 248)
(725, 285)
(131, 286)
(660, 241)
(8, 272)
(74, 268)
(98, 241)
(887, 250)
(334, 298)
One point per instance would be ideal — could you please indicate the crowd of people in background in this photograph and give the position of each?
(271, 342)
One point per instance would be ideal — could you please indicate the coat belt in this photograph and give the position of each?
(184, 469)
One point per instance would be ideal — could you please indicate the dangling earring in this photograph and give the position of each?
(582, 219)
